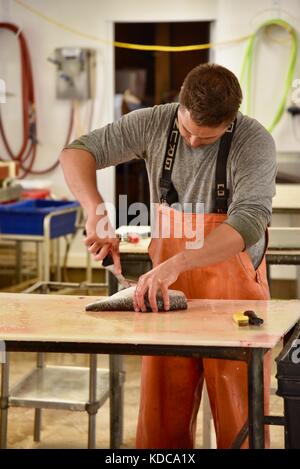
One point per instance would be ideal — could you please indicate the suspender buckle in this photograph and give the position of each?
(220, 190)
(222, 194)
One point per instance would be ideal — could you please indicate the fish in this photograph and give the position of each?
(123, 301)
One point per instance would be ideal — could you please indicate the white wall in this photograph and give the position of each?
(232, 18)
(237, 18)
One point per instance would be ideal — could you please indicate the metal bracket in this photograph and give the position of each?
(92, 407)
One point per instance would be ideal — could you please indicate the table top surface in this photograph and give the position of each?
(62, 318)
(287, 197)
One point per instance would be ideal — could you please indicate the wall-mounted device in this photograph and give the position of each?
(294, 110)
(75, 73)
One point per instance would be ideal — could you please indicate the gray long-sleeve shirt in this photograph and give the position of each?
(251, 166)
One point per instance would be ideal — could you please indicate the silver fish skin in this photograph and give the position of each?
(123, 301)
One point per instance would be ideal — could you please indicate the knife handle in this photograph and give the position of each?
(254, 320)
(108, 260)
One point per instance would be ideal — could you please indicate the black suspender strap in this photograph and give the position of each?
(221, 191)
(168, 193)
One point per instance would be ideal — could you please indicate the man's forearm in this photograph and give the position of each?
(221, 244)
(79, 169)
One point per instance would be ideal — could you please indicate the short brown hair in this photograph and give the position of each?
(212, 95)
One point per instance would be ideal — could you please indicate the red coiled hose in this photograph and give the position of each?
(27, 152)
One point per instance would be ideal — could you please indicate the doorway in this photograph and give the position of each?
(146, 78)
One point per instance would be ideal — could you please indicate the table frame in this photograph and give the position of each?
(252, 356)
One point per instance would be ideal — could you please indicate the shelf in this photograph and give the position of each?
(59, 387)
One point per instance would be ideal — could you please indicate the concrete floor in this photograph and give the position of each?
(66, 429)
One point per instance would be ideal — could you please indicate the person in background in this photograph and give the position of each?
(227, 161)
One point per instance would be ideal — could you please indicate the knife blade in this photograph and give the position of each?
(108, 264)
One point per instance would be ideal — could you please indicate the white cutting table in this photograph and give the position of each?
(58, 323)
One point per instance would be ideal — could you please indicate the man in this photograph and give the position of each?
(228, 162)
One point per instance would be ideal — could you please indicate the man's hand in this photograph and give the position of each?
(101, 239)
(157, 279)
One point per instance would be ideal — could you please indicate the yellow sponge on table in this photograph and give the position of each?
(240, 319)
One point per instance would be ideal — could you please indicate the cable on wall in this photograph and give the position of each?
(246, 74)
(126, 45)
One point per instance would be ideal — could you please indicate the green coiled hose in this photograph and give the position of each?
(246, 74)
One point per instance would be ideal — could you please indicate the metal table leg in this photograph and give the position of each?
(38, 412)
(256, 399)
(4, 402)
(116, 375)
(58, 267)
(46, 253)
(37, 425)
(116, 400)
(93, 406)
(39, 256)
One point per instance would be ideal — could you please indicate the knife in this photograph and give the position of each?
(108, 264)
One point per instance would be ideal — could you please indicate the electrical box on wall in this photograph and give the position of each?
(75, 73)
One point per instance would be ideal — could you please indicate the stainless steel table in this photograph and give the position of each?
(58, 323)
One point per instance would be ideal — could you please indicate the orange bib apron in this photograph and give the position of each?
(171, 386)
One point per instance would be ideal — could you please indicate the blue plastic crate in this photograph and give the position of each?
(27, 217)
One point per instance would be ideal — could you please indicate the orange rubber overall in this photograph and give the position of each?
(171, 386)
